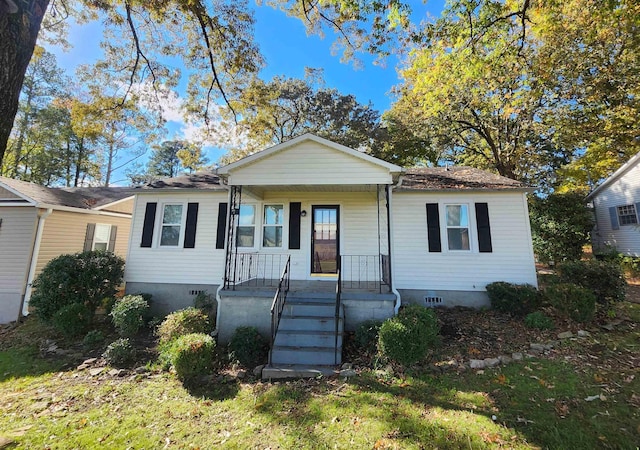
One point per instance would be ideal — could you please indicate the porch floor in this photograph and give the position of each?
(300, 288)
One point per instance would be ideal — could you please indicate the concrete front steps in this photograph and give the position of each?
(305, 344)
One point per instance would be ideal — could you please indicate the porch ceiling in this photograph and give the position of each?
(259, 190)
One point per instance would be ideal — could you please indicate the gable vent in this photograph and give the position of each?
(432, 301)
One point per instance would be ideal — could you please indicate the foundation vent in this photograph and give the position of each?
(196, 291)
(432, 301)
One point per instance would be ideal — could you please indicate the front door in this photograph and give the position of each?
(325, 239)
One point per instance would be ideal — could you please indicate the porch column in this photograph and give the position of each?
(387, 192)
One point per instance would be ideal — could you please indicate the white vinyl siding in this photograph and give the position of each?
(203, 264)
(310, 163)
(64, 232)
(17, 233)
(625, 190)
(511, 259)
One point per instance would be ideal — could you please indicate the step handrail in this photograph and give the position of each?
(338, 300)
(278, 302)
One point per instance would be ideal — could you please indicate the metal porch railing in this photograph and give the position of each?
(279, 300)
(256, 269)
(365, 272)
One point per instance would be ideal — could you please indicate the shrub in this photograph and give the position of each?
(93, 339)
(248, 347)
(539, 321)
(72, 320)
(560, 226)
(120, 353)
(128, 314)
(86, 277)
(631, 265)
(207, 304)
(516, 299)
(573, 301)
(406, 338)
(605, 279)
(180, 323)
(192, 355)
(366, 335)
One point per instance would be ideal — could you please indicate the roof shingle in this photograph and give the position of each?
(455, 178)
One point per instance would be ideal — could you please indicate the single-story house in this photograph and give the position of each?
(39, 223)
(309, 238)
(616, 204)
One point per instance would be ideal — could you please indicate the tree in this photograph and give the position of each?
(283, 108)
(214, 39)
(474, 91)
(164, 161)
(191, 157)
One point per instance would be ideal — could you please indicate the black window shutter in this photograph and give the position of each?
(112, 238)
(190, 227)
(294, 225)
(147, 227)
(88, 237)
(613, 215)
(433, 227)
(222, 224)
(484, 228)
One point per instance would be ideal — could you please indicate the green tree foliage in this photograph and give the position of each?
(214, 39)
(283, 108)
(169, 159)
(560, 226)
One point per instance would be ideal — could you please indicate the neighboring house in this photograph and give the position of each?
(38, 223)
(346, 232)
(616, 204)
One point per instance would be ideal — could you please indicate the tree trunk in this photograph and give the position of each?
(18, 35)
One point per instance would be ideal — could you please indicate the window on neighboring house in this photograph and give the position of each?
(627, 215)
(246, 226)
(272, 226)
(101, 235)
(457, 222)
(171, 225)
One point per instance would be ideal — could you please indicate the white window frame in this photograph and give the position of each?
(161, 224)
(627, 208)
(263, 225)
(254, 225)
(470, 227)
(95, 236)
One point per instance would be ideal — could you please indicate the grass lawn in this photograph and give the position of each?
(539, 402)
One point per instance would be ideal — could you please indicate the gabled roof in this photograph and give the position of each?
(81, 197)
(633, 161)
(205, 180)
(455, 178)
(224, 170)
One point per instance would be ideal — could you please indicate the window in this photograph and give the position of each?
(272, 226)
(246, 226)
(457, 223)
(627, 215)
(171, 225)
(101, 236)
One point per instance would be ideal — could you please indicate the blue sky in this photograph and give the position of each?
(287, 51)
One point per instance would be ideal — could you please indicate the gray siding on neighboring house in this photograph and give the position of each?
(17, 232)
(625, 190)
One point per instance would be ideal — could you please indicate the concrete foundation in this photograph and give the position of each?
(471, 299)
(169, 297)
(9, 307)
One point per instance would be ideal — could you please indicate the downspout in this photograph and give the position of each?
(42, 216)
(389, 189)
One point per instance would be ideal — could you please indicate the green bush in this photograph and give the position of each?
(207, 304)
(605, 279)
(366, 336)
(571, 300)
(631, 265)
(539, 321)
(560, 226)
(192, 355)
(93, 339)
(86, 277)
(72, 320)
(128, 314)
(120, 353)
(248, 347)
(180, 323)
(515, 299)
(407, 337)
